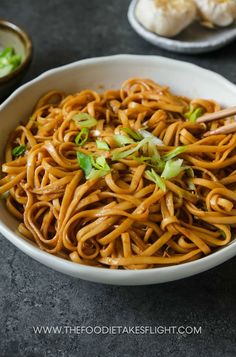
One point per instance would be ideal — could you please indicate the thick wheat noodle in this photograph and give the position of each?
(121, 220)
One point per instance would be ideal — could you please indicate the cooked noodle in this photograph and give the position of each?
(126, 213)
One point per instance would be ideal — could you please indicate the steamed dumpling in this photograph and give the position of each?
(166, 17)
(217, 12)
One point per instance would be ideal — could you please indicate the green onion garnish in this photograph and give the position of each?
(18, 150)
(122, 154)
(82, 137)
(102, 145)
(172, 169)
(92, 168)
(84, 120)
(9, 61)
(153, 139)
(154, 177)
(133, 134)
(85, 162)
(177, 151)
(123, 140)
(194, 113)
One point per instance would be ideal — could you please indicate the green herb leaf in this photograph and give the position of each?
(133, 134)
(154, 177)
(194, 113)
(102, 145)
(82, 137)
(123, 140)
(18, 150)
(85, 162)
(172, 169)
(121, 155)
(177, 151)
(84, 120)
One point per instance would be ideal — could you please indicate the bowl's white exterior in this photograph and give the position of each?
(110, 72)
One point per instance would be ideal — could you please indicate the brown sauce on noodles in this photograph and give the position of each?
(127, 213)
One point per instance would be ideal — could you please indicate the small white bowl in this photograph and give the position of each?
(195, 39)
(109, 72)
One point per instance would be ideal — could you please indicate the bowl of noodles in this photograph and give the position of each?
(107, 176)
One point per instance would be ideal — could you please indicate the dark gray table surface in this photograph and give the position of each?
(33, 295)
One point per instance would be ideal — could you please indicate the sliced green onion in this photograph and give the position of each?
(18, 150)
(191, 185)
(123, 140)
(194, 113)
(159, 165)
(7, 53)
(15, 60)
(153, 138)
(101, 168)
(177, 151)
(154, 177)
(122, 154)
(92, 168)
(189, 171)
(84, 120)
(133, 134)
(82, 137)
(172, 169)
(102, 145)
(9, 61)
(142, 159)
(4, 71)
(85, 162)
(101, 164)
(153, 152)
(96, 174)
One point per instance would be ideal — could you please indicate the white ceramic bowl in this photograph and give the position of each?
(110, 72)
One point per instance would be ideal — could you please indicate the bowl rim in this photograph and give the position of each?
(121, 277)
(26, 40)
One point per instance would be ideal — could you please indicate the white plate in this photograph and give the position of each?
(194, 39)
(110, 72)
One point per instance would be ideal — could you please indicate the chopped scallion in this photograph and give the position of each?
(122, 154)
(172, 169)
(85, 162)
(82, 137)
(102, 145)
(133, 134)
(194, 113)
(177, 151)
(154, 177)
(18, 150)
(122, 140)
(84, 120)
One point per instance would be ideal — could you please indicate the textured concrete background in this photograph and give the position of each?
(31, 294)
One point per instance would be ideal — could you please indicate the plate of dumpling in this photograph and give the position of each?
(185, 26)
